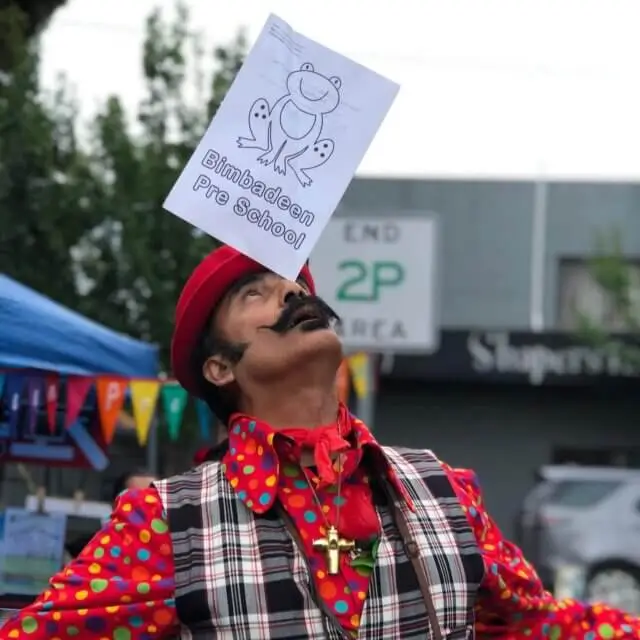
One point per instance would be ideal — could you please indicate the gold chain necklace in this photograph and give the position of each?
(332, 544)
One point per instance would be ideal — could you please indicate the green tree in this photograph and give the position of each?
(85, 224)
(136, 259)
(36, 13)
(22, 18)
(43, 172)
(615, 278)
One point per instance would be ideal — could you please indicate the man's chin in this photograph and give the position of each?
(298, 351)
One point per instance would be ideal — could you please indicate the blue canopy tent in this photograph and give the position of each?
(38, 333)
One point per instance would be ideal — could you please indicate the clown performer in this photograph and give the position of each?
(303, 525)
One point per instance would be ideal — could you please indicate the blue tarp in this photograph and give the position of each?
(38, 333)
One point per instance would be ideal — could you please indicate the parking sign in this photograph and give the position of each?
(379, 274)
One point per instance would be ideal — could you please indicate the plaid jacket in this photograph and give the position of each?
(241, 576)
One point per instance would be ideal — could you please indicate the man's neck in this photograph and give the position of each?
(305, 408)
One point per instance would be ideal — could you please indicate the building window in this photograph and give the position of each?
(581, 296)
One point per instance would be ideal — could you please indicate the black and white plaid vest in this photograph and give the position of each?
(241, 576)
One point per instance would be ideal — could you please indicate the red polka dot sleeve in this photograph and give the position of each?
(120, 587)
(513, 603)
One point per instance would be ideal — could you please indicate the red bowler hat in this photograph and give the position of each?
(204, 289)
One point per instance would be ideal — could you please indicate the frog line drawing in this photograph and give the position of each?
(289, 132)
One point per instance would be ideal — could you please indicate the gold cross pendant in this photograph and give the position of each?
(333, 545)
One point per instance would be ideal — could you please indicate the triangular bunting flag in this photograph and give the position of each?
(111, 393)
(51, 387)
(358, 366)
(204, 419)
(13, 387)
(77, 389)
(174, 399)
(144, 395)
(343, 382)
(34, 399)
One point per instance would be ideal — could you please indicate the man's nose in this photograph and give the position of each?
(291, 289)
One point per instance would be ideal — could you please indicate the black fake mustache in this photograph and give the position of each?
(317, 306)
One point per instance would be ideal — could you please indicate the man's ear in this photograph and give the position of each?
(217, 371)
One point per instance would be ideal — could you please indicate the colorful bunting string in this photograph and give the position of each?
(51, 385)
(358, 363)
(77, 390)
(144, 395)
(13, 387)
(111, 395)
(174, 399)
(205, 418)
(38, 391)
(35, 389)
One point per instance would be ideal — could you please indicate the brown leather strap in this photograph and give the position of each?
(413, 552)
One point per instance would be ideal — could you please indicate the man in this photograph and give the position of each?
(304, 526)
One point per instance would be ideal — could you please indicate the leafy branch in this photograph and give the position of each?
(621, 292)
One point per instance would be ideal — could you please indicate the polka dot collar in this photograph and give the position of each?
(252, 464)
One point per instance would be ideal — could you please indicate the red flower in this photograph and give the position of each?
(358, 519)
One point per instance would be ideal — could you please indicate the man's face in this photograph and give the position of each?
(278, 324)
(140, 482)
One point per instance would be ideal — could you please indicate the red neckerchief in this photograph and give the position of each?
(252, 463)
(323, 442)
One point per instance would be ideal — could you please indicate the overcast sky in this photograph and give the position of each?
(504, 88)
